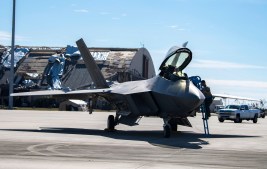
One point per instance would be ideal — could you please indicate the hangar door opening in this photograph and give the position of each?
(145, 66)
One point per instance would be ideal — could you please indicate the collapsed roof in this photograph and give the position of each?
(116, 64)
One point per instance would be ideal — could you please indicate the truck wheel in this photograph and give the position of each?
(238, 120)
(255, 119)
(263, 115)
(221, 120)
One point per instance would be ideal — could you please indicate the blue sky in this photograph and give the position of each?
(228, 38)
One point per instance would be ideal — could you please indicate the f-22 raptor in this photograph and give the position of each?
(170, 95)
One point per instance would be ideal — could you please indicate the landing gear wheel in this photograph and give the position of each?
(255, 119)
(111, 123)
(174, 126)
(167, 131)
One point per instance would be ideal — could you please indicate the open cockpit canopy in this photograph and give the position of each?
(176, 60)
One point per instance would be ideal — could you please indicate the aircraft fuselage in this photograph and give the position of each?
(160, 97)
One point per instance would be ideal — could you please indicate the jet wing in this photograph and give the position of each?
(61, 92)
(125, 88)
(39, 93)
(78, 94)
(226, 96)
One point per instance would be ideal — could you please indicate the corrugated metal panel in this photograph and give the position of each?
(77, 77)
(33, 65)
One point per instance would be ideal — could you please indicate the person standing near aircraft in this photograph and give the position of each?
(208, 97)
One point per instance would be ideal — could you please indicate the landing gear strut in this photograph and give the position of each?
(166, 130)
(170, 124)
(173, 124)
(167, 127)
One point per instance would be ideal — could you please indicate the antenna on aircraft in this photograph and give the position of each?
(143, 45)
(185, 44)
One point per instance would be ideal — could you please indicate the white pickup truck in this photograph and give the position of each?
(237, 113)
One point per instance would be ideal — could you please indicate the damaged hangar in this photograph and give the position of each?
(116, 64)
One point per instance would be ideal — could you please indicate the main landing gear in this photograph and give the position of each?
(169, 126)
(111, 123)
(166, 130)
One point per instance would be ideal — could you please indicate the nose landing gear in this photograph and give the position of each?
(169, 126)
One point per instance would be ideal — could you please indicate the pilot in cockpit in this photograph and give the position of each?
(172, 66)
(172, 73)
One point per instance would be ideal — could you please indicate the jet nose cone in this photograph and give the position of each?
(197, 98)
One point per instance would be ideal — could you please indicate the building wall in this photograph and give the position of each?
(137, 62)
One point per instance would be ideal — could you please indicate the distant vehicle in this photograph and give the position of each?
(237, 113)
(217, 108)
(263, 113)
(216, 101)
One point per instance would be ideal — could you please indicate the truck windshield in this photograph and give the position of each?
(233, 107)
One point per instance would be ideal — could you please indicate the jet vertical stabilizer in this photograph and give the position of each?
(91, 65)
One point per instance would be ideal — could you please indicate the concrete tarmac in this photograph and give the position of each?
(54, 139)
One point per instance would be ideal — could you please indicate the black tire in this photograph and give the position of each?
(111, 122)
(263, 115)
(221, 120)
(255, 119)
(166, 131)
(238, 120)
(174, 126)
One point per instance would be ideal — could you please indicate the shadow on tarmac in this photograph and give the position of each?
(179, 140)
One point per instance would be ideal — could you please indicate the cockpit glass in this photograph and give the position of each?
(173, 65)
(177, 60)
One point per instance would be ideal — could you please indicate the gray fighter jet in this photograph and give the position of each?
(169, 95)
